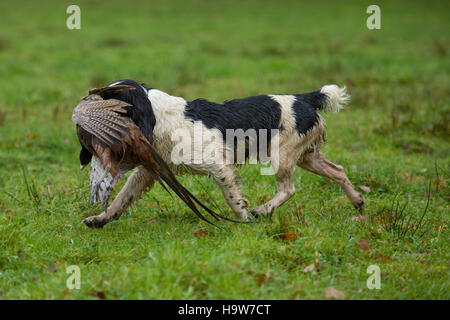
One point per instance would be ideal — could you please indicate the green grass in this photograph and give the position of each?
(394, 138)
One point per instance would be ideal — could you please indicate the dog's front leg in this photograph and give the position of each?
(139, 181)
(226, 179)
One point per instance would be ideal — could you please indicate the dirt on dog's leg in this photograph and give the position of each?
(286, 190)
(317, 163)
(226, 179)
(139, 181)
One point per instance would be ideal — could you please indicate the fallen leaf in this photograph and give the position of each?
(382, 258)
(201, 233)
(289, 236)
(333, 293)
(295, 293)
(437, 181)
(318, 265)
(32, 135)
(364, 188)
(150, 205)
(67, 294)
(261, 278)
(363, 244)
(309, 268)
(99, 294)
(299, 291)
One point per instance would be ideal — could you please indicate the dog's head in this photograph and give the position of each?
(141, 112)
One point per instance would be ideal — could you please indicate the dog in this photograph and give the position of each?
(169, 123)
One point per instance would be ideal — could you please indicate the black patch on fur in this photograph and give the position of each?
(258, 112)
(141, 112)
(305, 107)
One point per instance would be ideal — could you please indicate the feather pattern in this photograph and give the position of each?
(102, 118)
(101, 182)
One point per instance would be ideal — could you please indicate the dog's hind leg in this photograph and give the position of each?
(318, 164)
(139, 181)
(286, 189)
(227, 181)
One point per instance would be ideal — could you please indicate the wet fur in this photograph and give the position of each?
(301, 134)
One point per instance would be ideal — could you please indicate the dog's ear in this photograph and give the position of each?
(142, 112)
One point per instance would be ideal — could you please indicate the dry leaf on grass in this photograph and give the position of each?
(99, 294)
(289, 236)
(363, 244)
(333, 293)
(298, 292)
(201, 233)
(383, 258)
(262, 277)
(318, 265)
(309, 268)
(33, 135)
(67, 294)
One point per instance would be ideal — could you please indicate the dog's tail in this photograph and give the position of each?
(332, 98)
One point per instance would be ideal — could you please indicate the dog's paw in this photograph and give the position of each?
(359, 205)
(256, 213)
(94, 222)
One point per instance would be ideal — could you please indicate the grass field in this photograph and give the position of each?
(393, 138)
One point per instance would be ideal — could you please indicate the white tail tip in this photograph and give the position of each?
(337, 97)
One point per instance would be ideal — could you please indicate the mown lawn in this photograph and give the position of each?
(393, 138)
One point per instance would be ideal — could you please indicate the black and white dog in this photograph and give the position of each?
(290, 123)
